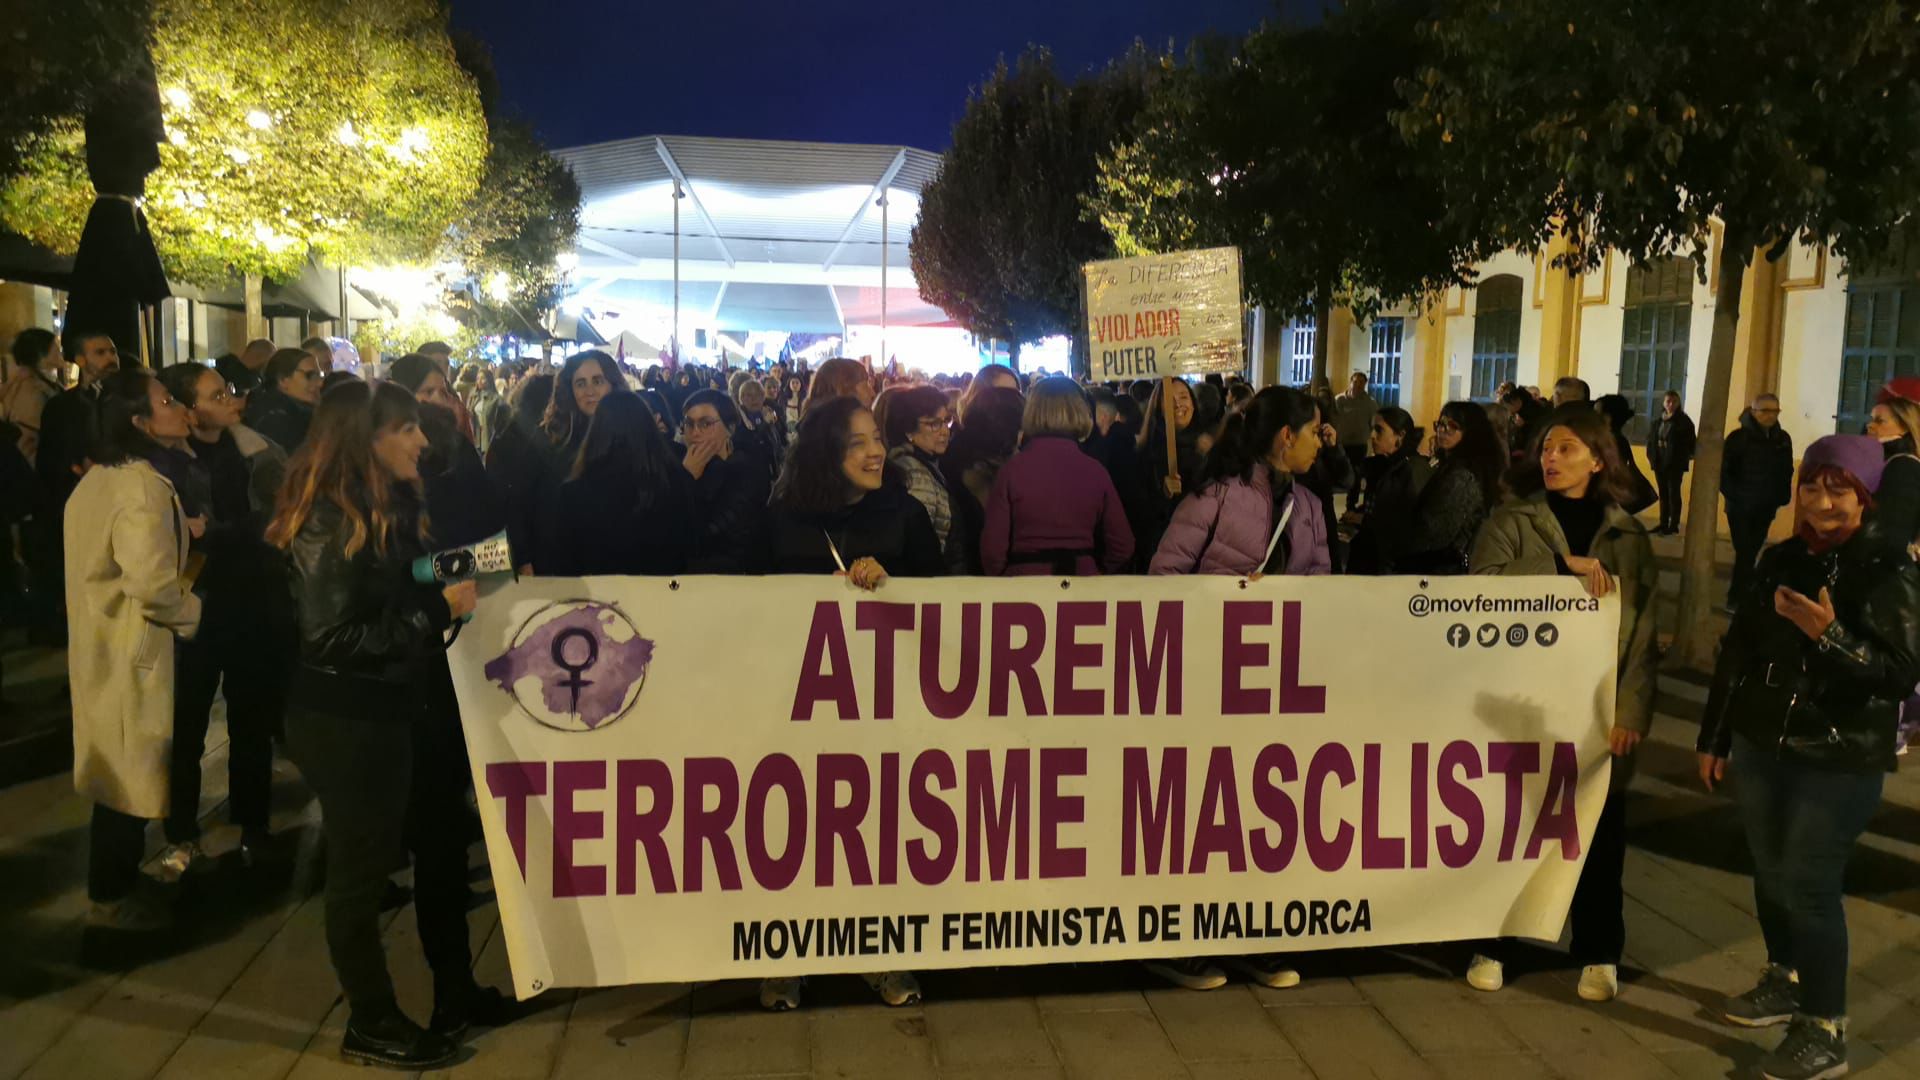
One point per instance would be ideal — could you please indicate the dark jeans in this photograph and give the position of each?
(256, 668)
(1671, 481)
(1748, 526)
(1358, 456)
(115, 842)
(383, 786)
(1801, 826)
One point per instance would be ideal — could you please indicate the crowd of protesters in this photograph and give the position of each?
(235, 526)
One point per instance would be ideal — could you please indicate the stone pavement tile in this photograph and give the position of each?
(1113, 1046)
(1489, 1066)
(624, 1032)
(1275, 1069)
(872, 1041)
(993, 1034)
(1227, 1024)
(748, 1044)
(1450, 1027)
(1879, 1016)
(1667, 1016)
(525, 1049)
(1049, 1072)
(1313, 990)
(1107, 1001)
(1863, 1060)
(1341, 1041)
(1905, 1055)
(1415, 988)
(1580, 1042)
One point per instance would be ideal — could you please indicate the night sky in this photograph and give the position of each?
(829, 70)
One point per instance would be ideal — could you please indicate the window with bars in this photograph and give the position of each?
(1882, 338)
(1654, 335)
(1300, 360)
(1496, 335)
(1385, 344)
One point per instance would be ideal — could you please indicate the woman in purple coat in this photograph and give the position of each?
(1053, 509)
(1249, 517)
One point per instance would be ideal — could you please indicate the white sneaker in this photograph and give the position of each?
(780, 995)
(1486, 973)
(896, 988)
(1269, 969)
(1599, 982)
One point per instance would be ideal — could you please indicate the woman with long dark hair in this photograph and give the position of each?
(584, 381)
(981, 445)
(281, 407)
(1250, 515)
(521, 464)
(1391, 479)
(245, 647)
(1568, 518)
(840, 508)
(128, 602)
(624, 507)
(351, 519)
(837, 378)
(461, 500)
(729, 489)
(1469, 462)
(1823, 648)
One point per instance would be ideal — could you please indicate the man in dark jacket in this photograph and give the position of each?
(1756, 478)
(1670, 441)
(68, 427)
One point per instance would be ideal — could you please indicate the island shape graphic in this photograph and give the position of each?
(579, 695)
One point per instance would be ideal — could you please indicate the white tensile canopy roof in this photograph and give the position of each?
(773, 235)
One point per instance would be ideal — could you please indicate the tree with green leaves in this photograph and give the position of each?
(342, 131)
(1284, 146)
(1002, 236)
(1643, 127)
(59, 55)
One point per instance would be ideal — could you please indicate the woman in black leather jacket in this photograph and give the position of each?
(351, 521)
(1803, 708)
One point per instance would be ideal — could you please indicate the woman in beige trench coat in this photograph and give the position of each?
(127, 598)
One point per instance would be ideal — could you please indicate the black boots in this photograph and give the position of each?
(455, 1009)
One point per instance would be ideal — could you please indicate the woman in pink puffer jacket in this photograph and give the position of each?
(1228, 526)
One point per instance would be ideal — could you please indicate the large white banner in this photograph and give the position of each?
(716, 777)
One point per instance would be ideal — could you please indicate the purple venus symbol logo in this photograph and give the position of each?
(576, 665)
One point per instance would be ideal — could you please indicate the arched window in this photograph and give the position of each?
(1496, 334)
(1883, 333)
(1653, 337)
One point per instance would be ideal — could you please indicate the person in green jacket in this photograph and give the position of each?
(1567, 517)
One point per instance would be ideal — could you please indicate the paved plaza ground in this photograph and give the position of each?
(245, 990)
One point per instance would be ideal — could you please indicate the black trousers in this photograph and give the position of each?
(1748, 526)
(383, 787)
(1671, 480)
(1598, 911)
(115, 842)
(255, 667)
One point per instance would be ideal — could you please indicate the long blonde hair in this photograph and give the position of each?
(337, 463)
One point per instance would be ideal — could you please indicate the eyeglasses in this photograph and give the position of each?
(1445, 425)
(688, 427)
(220, 396)
(936, 422)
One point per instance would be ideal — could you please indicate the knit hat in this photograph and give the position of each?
(1906, 386)
(1857, 454)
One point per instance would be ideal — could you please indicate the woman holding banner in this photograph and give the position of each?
(1805, 700)
(1568, 518)
(350, 519)
(1249, 517)
(840, 507)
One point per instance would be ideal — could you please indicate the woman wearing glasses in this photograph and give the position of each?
(247, 635)
(918, 427)
(1465, 488)
(729, 489)
(282, 406)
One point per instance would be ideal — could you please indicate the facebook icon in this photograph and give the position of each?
(1458, 635)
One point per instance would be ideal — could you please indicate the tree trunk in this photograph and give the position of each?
(256, 317)
(1322, 330)
(1693, 642)
(1013, 353)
